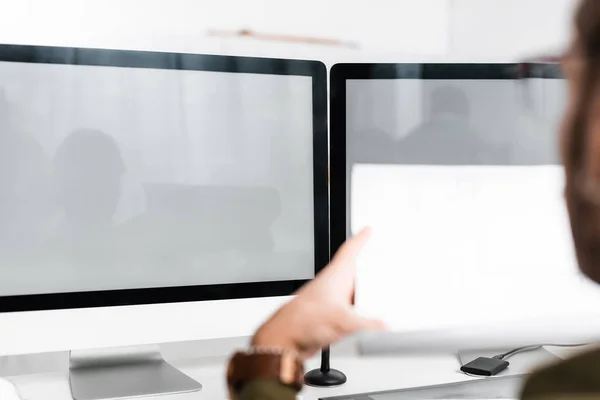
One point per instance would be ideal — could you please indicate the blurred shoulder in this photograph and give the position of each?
(577, 378)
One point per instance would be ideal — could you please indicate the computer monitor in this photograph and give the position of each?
(439, 114)
(445, 119)
(153, 197)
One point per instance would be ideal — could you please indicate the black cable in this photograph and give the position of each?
(533, 347)
(490, 366)
(516, 351)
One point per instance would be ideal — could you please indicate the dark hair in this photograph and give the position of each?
(584, 212)
(587, 49)
(587, 24)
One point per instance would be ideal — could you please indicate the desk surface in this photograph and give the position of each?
(364, 374)
(392, 373)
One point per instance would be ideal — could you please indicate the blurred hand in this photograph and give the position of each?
(322, 312)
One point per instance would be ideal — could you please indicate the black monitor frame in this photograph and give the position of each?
(193, 62)
(340, 73)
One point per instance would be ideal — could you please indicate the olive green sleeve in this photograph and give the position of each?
(267, 390)
(574, 379)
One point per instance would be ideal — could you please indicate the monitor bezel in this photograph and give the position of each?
(340, 73)
(192, 62)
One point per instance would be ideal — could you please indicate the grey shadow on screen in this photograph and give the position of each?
(373, 146)
(201, 219)
(446, 137)
(88, 168)
(24, 186)
(180, 223)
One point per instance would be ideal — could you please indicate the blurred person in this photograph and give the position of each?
(78, 249)
(88, 168)
(372, 146)
(24, 187)
(446, 137)
(321, 313)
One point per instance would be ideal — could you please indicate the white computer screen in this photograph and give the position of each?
(119, 178)
(461, 183)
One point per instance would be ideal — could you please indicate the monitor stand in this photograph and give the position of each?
(126, 372)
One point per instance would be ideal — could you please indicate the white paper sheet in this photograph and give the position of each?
(464, 246)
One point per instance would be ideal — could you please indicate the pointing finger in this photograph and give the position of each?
(350, 249)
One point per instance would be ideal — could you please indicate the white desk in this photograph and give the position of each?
(364, 375)
(206, 362)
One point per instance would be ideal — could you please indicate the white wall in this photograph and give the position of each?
(508, 30)
(415, 28)
(388, 30)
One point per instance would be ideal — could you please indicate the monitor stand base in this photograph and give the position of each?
(324, 378)
(124, 373)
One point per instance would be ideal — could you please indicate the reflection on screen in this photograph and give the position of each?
(115, 178)
(452, 122)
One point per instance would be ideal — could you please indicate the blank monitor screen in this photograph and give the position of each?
(468, 183)
(443, 114)
(123, 178)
